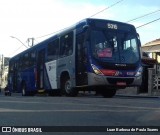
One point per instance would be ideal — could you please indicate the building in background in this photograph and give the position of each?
(153, 49)
(4, 64)
(150, 59)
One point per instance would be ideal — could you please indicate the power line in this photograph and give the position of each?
(106, 8)
(88, 17)
(52, 33)
(144, 15)
(68, 27)
(147, 23)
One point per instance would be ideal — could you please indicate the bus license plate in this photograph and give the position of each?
(121, 83)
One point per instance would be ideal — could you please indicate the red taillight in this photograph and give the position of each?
(108, 72)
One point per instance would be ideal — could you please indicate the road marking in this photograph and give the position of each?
(77, 104)
(70, 110)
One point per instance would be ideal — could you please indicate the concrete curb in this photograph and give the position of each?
(136, 96)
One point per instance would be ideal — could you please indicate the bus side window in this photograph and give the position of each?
(20, 63)
(32, 58)
(24, 61)
(66, 45)
(53, 50)
(11, 67)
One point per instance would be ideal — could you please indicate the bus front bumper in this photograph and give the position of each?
(97, 80)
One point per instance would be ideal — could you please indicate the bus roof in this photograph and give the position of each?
(78, 25)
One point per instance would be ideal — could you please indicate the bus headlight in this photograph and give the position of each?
(139, 72)
(96, 70)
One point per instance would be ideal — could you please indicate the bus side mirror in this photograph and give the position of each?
(138, 36)
(139, 42)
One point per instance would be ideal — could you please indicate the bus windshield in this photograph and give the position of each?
(115, 47)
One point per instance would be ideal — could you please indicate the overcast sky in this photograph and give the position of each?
(35, 18)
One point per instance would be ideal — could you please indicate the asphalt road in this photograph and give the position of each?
(84, 110)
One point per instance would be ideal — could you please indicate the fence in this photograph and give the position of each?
(154, 81)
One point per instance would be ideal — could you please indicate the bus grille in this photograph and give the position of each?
(115, 80)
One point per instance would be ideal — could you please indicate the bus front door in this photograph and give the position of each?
(81, 61)
(40, 69)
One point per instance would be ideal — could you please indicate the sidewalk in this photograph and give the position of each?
(132, 92)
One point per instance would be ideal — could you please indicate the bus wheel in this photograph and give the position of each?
(108, 93)
(24, 90)
(67, 88)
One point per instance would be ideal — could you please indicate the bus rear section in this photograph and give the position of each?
(109, 57)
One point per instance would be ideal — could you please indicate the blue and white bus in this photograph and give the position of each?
(94, 54)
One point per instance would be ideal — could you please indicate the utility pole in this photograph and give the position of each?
(32, 41)
(1, 71)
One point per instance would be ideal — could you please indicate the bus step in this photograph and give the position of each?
(41, 91)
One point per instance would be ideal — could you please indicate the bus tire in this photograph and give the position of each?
(24, 93)
(67, 88)
(108, 93)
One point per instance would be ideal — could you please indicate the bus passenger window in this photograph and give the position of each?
(53, 50)
(32, 58)
(130, 49)
(66, 45)
(20, 63)
(24, 61)
(11, 67)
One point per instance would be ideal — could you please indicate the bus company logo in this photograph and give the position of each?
(50, 68)
(6, 129)
(118, 73)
